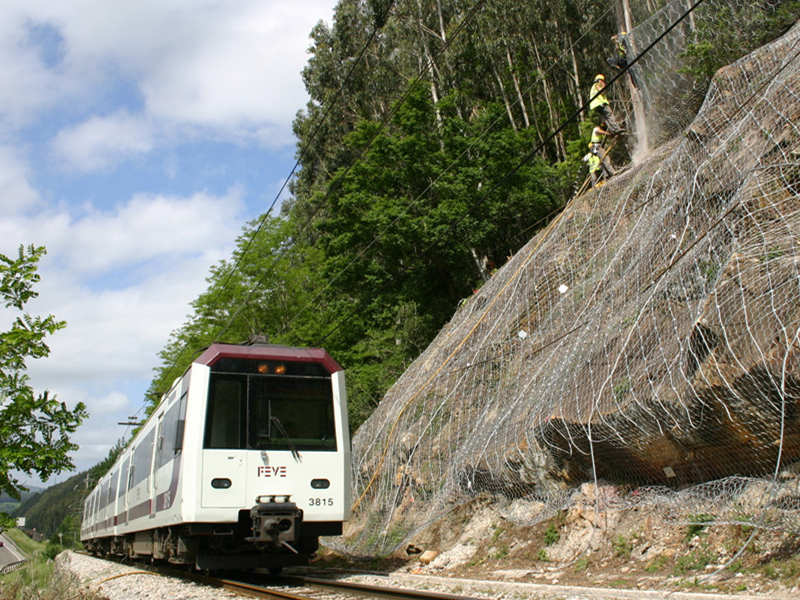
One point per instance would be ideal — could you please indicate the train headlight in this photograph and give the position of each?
(221, 483)
(280, 369)
(320, 484)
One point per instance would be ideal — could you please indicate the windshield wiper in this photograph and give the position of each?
(282, 430)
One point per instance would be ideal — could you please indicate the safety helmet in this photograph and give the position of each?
(590, 145)
(599, 76)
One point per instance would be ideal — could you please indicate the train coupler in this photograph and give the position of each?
(275, 522)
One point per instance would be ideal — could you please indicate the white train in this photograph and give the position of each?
(244, 464)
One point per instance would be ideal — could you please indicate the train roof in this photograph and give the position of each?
(268, 352)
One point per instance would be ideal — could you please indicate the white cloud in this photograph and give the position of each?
(119, 317)
(16, 193)
(123, 280)
(148, 227)
(27, 86)
(101, 141)
(232, 67)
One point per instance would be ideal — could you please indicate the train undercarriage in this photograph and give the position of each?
(269, 541)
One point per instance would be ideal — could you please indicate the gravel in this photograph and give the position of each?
(122, 582)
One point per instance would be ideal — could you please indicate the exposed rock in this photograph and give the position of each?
(428, 556)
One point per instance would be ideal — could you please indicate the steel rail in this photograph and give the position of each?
(262, 590)
(381, 590)
(250, 589)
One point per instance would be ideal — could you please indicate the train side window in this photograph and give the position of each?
(171, 425)
(224, 414)
(112, 487)
(142, 458)
(123, 480)
(181, 423)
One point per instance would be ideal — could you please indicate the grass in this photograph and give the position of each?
(542, 555)
(500, 553)
(40, 580)
(783, 570)
(25, 544)
(693, 561)
(622, 547)
(657, 564)
(697, 525)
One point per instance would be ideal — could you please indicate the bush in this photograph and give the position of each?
(52, 550)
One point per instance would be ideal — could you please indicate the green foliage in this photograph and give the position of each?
(38, 579)
(725, 33)
(693, 561)
(542, 555)
(697, 524)
(622, 547)
(34, 427)
(24, 544)
(551, 535)
(58, 509)
(52, 550)
(657, 564)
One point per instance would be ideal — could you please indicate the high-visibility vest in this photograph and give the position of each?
(597, 137)
(600, 100)
(593, 161)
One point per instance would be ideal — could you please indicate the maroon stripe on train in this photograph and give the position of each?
(140, 510)
(314, 355)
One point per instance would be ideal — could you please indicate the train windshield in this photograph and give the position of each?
(270, 412)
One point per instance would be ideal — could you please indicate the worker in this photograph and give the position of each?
(597, 170)
(598, 147)
(599, 105)
(593, 161)
(620, 58)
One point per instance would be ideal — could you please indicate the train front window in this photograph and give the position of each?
(280, 412)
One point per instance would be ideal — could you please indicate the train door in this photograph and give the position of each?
(122, 494)
(223, 482)
(154, 480)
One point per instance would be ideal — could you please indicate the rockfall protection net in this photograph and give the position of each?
(648, 337)
(667, 75)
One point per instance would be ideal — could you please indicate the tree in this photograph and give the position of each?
(34, 427)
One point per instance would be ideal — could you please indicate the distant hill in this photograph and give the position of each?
(46, 509)
(9, 505)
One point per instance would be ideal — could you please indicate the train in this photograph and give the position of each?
(244, 464)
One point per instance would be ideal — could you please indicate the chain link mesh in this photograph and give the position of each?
(648, 337)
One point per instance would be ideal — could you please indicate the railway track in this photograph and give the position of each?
(259, 585)
(314, 588)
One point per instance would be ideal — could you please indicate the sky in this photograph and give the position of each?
(136, 139)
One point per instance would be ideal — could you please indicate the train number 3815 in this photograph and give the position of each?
(320, 501)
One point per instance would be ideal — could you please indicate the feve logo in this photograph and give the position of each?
(270, 471)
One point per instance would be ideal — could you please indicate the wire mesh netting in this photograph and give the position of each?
(649, 336)
(670, 76)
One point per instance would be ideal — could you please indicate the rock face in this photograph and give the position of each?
(661, 320)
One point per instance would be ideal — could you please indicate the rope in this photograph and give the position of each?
(118, 575)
